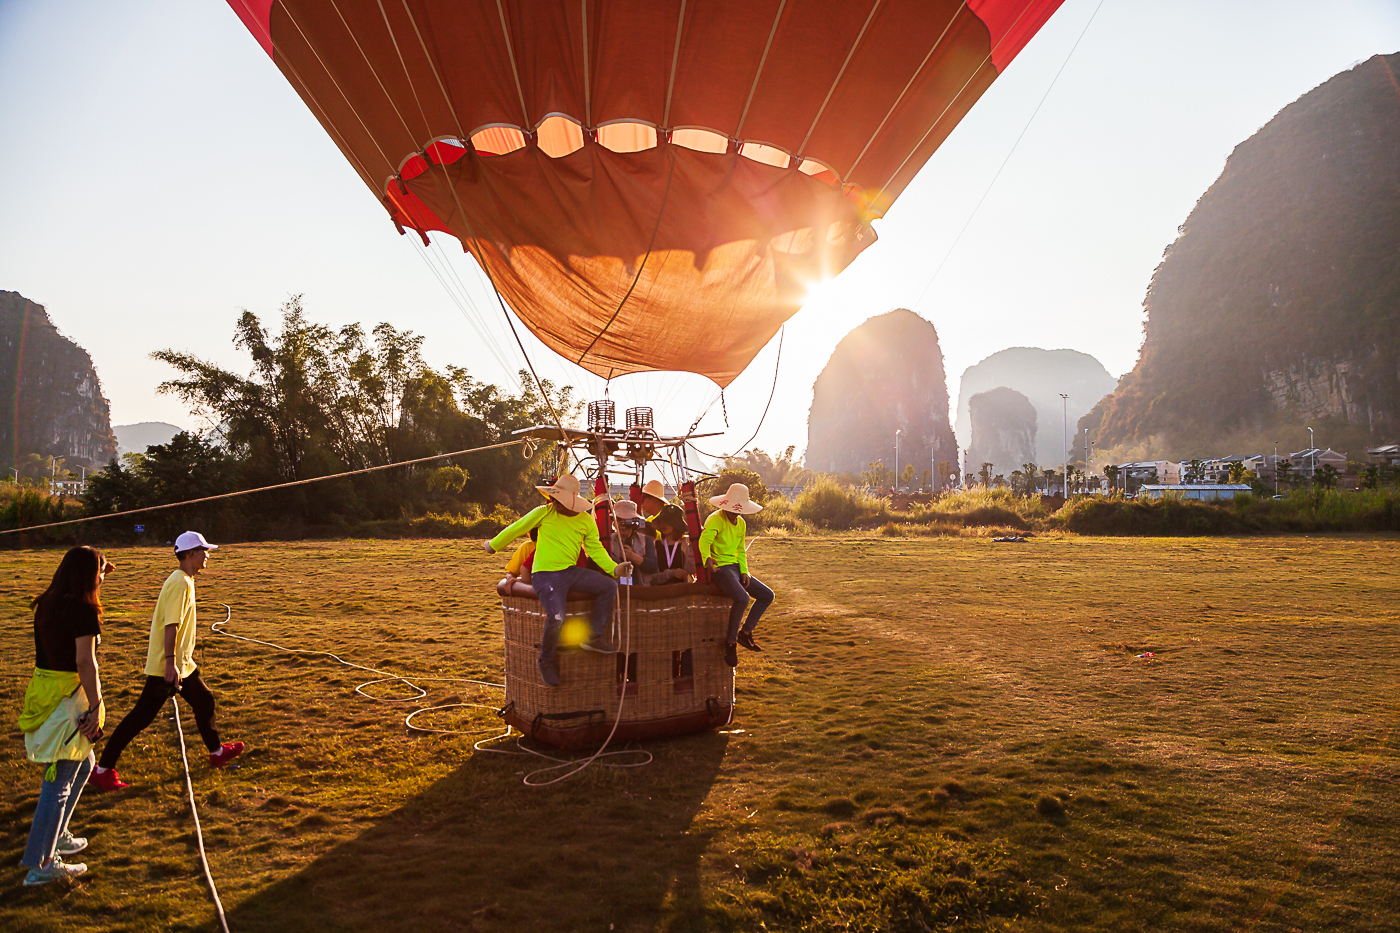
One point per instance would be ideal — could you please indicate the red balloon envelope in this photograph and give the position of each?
(650, 184)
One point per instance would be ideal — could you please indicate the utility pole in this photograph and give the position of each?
(1065, 479)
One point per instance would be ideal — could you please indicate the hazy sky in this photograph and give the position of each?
(162, 176)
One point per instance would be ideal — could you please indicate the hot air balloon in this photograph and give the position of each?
(649, 185)
(638, 176)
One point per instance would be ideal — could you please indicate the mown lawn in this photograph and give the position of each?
(943, 733)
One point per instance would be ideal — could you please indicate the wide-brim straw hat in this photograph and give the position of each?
(736, 500)
(655, 489)
(565, 492)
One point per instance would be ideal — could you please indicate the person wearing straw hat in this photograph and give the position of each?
(564, 527)
(636, 546)
(653, 498)
(722, 550)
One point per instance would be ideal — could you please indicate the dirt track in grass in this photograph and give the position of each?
(942, 731)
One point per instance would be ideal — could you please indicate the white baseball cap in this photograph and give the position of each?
(191, 540)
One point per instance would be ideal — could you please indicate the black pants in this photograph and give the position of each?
(148, 705)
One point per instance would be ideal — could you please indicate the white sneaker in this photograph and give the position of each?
(58, 869)
(69, 844)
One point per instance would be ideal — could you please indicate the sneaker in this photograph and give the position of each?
(599, 644)
(731, 656)
(58, 870)
(105, 781)
(223, 756)
(746, 639)
(547, 673)
(69, 844)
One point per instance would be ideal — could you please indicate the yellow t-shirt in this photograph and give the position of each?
(517, 560)
(175, 606)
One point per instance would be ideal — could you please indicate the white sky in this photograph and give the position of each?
(162, 176)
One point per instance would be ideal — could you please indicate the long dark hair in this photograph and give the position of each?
(75, 580)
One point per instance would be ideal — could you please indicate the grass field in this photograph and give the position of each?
(944, 733)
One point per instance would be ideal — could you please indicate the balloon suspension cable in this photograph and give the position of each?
(500, 300)
(248, 492)
(771, 392)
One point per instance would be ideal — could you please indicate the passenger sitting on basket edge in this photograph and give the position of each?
(653, 498)
(565, 526)
(637, 546)
(674, 561)
(722, 550)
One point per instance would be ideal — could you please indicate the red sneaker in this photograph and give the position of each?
(223, 756)
(106, 780)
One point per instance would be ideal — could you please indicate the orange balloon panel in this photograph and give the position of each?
(540, 133)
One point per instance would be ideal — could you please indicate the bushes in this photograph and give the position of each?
(1301, 511)
(1170, 516)
(828, 504)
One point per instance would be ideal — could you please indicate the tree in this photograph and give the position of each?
(1239, 473)
(1195, 472)
(1326, 476)
(1110, 473)
(907, 475)
(1029, 472)
(718, 485)
(780, 471)
(926, 480)
(1371, 478)
(999, 481)
(1049, 474)
(1283, 470)
(985, 475)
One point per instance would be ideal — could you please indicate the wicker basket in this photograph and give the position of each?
(673, 674)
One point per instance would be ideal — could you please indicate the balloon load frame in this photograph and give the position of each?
(671, 679)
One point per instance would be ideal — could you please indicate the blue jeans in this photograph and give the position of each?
(552, 587)
(57, 798)
(727, 579)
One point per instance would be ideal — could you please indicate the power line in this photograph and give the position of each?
(249, 492)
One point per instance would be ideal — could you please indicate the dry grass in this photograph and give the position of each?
(944, 732)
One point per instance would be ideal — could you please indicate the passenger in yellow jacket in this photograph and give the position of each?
(722, 550)
(565, 527)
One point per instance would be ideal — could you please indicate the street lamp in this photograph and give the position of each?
(1065, 477)
(1275, 467)
(1312, 458)
(898, 431)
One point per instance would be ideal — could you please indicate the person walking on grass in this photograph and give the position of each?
(170, 668)
(722, 550)
(63, 713)
(564, 527)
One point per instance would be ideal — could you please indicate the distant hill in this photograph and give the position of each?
(885, 375)
(135, 438)
(1278, 305)
(51, 401)
(1039, 375)
(1003, 431)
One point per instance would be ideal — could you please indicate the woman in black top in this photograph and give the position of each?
(67, 629)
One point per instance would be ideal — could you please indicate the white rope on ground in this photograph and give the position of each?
(217, 628)
(530, 442)
(194, 812)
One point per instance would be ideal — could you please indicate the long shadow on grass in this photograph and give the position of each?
(480, 851)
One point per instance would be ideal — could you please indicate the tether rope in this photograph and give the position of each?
(249, 492)
(194, 812)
